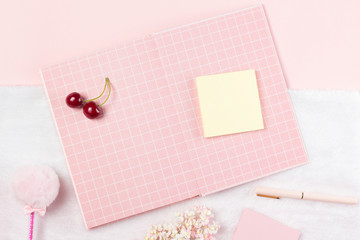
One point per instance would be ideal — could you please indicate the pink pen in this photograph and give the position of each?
(283, 193)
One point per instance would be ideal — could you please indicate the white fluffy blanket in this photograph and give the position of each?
(330, 123)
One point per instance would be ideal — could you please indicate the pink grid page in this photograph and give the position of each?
(130, 160)
(148, 150)
(233, 42)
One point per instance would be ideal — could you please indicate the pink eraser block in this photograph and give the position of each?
(256, 226)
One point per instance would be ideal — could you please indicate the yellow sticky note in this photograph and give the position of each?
(229, 103)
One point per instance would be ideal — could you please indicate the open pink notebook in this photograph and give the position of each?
(148, 150)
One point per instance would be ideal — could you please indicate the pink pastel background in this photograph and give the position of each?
(318, 41)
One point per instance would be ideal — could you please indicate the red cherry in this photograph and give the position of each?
(91, 110)
(74, 100)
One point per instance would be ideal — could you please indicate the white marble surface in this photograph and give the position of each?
(330, 123)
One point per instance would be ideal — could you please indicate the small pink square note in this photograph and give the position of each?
(255, 226)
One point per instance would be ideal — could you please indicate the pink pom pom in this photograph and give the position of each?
(36, 186)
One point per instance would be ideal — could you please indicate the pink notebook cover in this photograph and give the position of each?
(148, 150)
(254, 226)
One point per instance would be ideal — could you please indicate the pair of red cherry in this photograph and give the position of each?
(90, 109)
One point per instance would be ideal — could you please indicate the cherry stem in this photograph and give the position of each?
(106, 83)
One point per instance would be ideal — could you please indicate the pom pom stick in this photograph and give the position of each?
(31, 226)
(37, 187)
